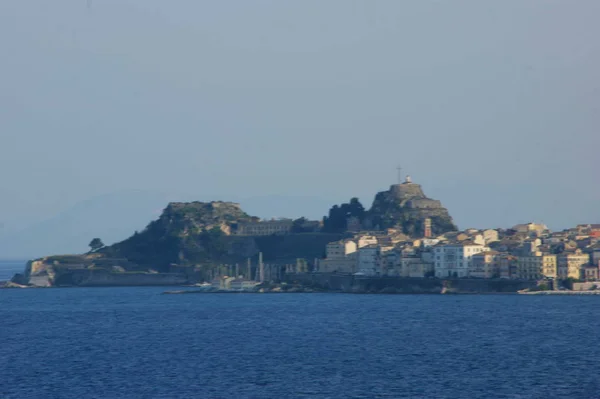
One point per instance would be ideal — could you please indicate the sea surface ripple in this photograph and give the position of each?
(137, 343)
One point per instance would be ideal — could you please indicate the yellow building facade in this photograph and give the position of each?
(536, 267)
(571, 264)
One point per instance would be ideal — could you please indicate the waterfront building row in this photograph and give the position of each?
(368, 255)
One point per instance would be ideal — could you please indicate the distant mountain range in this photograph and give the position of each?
(114, 217)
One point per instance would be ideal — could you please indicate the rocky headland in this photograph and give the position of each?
(189, 242)
(192, 242)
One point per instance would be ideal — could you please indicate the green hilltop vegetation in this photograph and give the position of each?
(185, 233)
(191, 234)
(337, 220)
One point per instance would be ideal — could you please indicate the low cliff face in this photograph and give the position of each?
(405, 206)
(88, 271)
(37, 267)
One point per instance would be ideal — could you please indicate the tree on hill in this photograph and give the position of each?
(96, 244)
(298, 225)
(337, 220)
(211, 242)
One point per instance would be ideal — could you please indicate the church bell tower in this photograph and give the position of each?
(427, 228)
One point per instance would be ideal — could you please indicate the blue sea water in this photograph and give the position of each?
(137, 343)
(9, 268)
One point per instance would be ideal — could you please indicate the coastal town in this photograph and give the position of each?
(405, 238)
(555, 260)
(526, 251)
(530, 251)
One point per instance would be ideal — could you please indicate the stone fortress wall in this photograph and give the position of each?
(424, 203)
(406, 191)
(412, 196)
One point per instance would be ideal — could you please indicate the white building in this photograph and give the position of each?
(340, 249)
(454, 260)
(363, 241)
(490, 235)
(242, 285)
(222, 283)
(410, 265)
(369, 260)
(531, 228)
(340, 257)
(596, 254)
(530, 246)
(570, 264)
(478, 239)
(429, 242)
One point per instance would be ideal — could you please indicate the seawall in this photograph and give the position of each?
(102, 278)
(404, 285)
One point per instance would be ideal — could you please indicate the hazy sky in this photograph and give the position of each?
(494, 106)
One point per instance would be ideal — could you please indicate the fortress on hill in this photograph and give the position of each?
(406, 207)
(412, 196)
